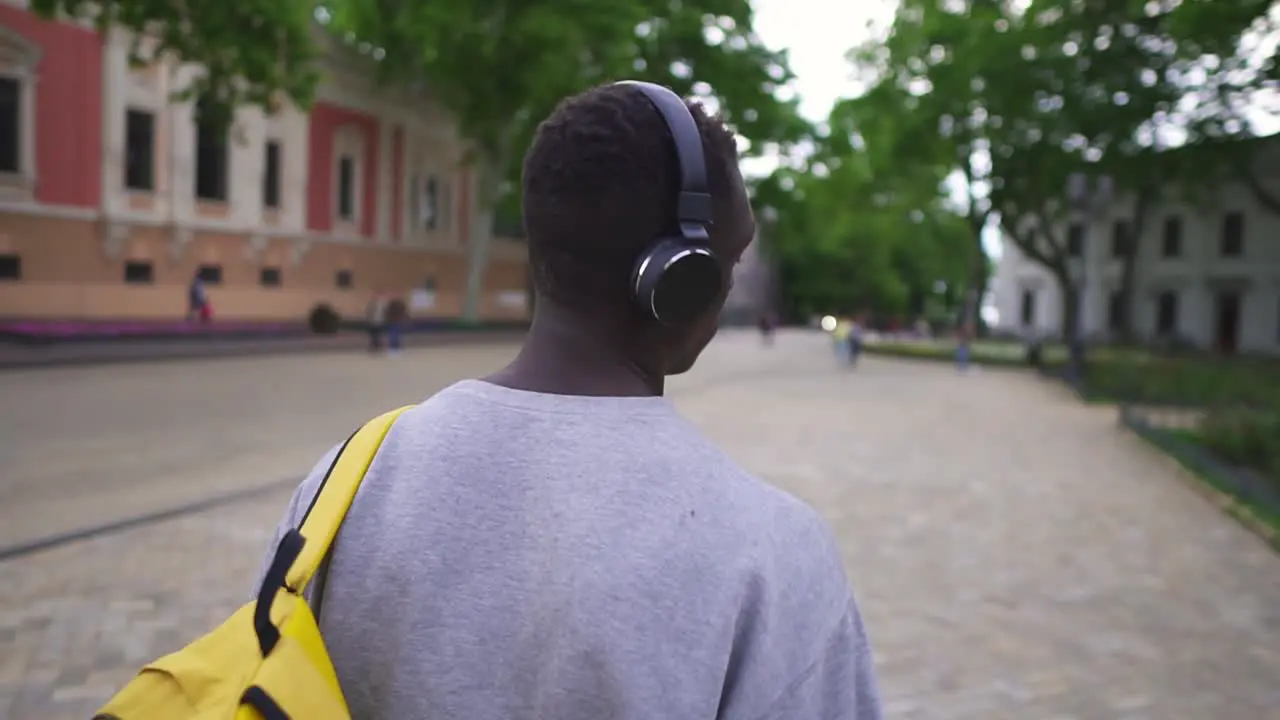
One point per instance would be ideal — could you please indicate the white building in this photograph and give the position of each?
(1209, 275)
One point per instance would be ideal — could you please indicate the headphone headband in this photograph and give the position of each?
(693, 204)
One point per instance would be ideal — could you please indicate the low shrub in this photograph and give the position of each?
(1188, 381)
(324, 320)
(1249, 437)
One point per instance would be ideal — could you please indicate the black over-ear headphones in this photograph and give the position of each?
(677, 278)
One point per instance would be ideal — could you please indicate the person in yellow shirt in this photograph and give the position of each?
(840, 335)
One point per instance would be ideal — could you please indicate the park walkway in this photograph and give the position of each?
(1016, 555)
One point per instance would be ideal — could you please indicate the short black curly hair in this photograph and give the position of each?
(600, 183)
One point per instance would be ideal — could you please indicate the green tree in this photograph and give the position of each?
(853, 233)
(500, 66)
(1036, 93)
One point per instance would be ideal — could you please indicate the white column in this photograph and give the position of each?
(1094, 290)
(114, 75)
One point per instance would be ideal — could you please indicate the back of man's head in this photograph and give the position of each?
(600, 184)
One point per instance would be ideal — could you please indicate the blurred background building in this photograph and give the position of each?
(753, 287)
(1204, 274)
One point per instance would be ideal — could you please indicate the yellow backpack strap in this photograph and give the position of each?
(334, 497)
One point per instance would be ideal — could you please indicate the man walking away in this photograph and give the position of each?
(555, 540)
(376, 318)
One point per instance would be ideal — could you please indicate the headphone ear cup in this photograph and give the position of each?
(675, 282)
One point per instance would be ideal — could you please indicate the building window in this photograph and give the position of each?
(1233, 235)
(1120, 239)
(1115, 310)
(10, 125)
(1171, 245)
(271, 175)
(1028, 309)
(210, 274)
(1167, 313)
(138, 272)
(444, 206)
(1075, 240)
(211, 159)
(10, 267)
(346, 188)
(344, 279)
(139, 150)
(269, 277)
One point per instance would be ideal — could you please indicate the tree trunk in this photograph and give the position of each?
(480, 235)
(1128, 267)
(1070, 309)
(977, 289)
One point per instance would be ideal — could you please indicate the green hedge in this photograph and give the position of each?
(1186, 381)
(984, 353)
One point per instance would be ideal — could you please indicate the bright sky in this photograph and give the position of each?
(816, 35)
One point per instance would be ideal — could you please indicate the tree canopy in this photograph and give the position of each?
(853, 232)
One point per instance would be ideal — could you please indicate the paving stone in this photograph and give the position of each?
(1015, 554)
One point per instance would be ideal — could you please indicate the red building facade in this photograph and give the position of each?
(112, 196)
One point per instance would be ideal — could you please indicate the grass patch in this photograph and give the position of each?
(983, 353)
(1124, 374)
(1252, 505)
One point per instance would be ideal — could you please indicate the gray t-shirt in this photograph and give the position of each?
(518, 555)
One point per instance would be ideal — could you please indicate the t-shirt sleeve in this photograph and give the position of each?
(839, 685)
(801, 651)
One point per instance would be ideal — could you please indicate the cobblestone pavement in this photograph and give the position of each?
(1016, 555)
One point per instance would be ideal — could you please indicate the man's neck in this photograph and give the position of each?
(564, 354)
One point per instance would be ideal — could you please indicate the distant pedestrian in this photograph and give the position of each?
(840, 339)
(964, 340)
(854, 340)
(766, 325)
(198, 300)
(396, 316)
(376, 320)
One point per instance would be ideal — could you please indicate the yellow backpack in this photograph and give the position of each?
(268, 661)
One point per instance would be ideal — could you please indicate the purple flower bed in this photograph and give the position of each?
(82, 330)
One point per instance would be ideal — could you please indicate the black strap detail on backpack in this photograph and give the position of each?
(317, 582)
(327, 473)
(258, 699)
(288, 550)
